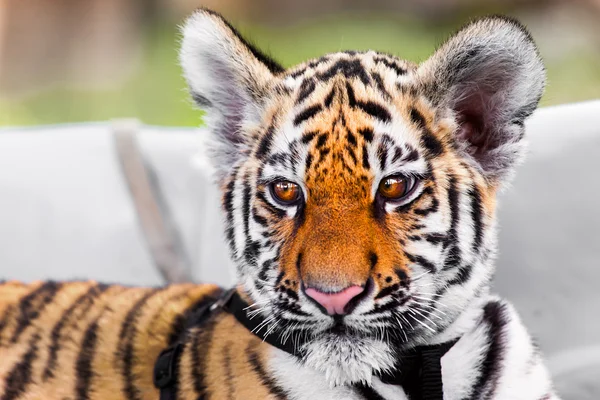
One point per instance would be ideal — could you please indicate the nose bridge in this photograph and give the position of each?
(336, 248)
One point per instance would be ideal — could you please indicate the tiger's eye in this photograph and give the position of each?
(393, 187)
(285, 192)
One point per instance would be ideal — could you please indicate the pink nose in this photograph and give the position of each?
(335, 303)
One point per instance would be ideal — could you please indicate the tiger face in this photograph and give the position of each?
(359, 189)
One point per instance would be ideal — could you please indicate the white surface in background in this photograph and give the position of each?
(65, 212)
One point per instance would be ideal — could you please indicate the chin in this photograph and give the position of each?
(345, 359)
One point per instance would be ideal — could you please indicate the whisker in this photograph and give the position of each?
(257, 303)
(431, 311)
(407, 321)
(262, 324)
(429, 307)
(414, 278)
(430, 300)
(426, 317)
(421, 322)
(401, 328)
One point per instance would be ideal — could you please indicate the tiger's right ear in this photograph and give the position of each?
(228, 78)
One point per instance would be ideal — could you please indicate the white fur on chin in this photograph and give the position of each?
(346, 360)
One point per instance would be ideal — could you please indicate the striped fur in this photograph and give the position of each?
(335, 126)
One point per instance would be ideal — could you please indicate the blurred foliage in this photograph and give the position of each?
(156, 93)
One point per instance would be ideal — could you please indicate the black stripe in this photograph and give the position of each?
(125, 353)
(228, 206)
(85, 301)
(367, 134)
(246, 196)
(306, 114)
(351, 97)
(365, 158)
(264, 269)
(477, 215)
(229, 378)
(382, 156)
(19, 377)
(351, 139)
(322, 140)
(387, 291)
(428, 139)
(413, 155)
(322, 156)
(348, 68)
(279, 278)
(279, 158)
(417, 118)
(330, 97)
(432, 144)
(390, 64)
(306, 88)
(463, 275)
(308, 162)
(494, 316)
(266, 379)
(375, 110)
(260, 220)
(199, 346)
(298, 72)
(454, 257)
(436, 238)
(381, 85)
(251, 251)
(32, 305)
(352, 156)
(308, 137)
(265, 142)
(428, 265)
(83, 367)
(368, 392)
(397, 154)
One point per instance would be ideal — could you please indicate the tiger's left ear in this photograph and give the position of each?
(229, 79)
(491, 76)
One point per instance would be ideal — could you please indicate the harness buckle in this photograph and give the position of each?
(223, 300)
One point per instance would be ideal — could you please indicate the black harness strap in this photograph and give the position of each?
(419, 371)
(238, 308)
(165, 367)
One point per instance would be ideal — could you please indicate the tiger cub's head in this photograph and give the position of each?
(359, 189)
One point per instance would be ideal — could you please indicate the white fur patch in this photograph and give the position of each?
(345, 360)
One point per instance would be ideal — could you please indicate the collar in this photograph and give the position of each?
(418, 370)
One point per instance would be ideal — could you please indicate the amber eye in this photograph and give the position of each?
(394, 187)
(285, 192)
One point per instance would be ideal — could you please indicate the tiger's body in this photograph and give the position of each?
(359, 194)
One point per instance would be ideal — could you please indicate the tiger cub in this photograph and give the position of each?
(359, 194)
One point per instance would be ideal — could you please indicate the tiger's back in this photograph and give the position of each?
(84, 340)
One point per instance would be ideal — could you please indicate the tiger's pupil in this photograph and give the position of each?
(393, 187)
(286, 192)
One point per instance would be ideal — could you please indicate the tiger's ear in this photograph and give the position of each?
(228, 78)
(491, 76)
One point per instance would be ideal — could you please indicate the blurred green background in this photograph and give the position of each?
(75, 60)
